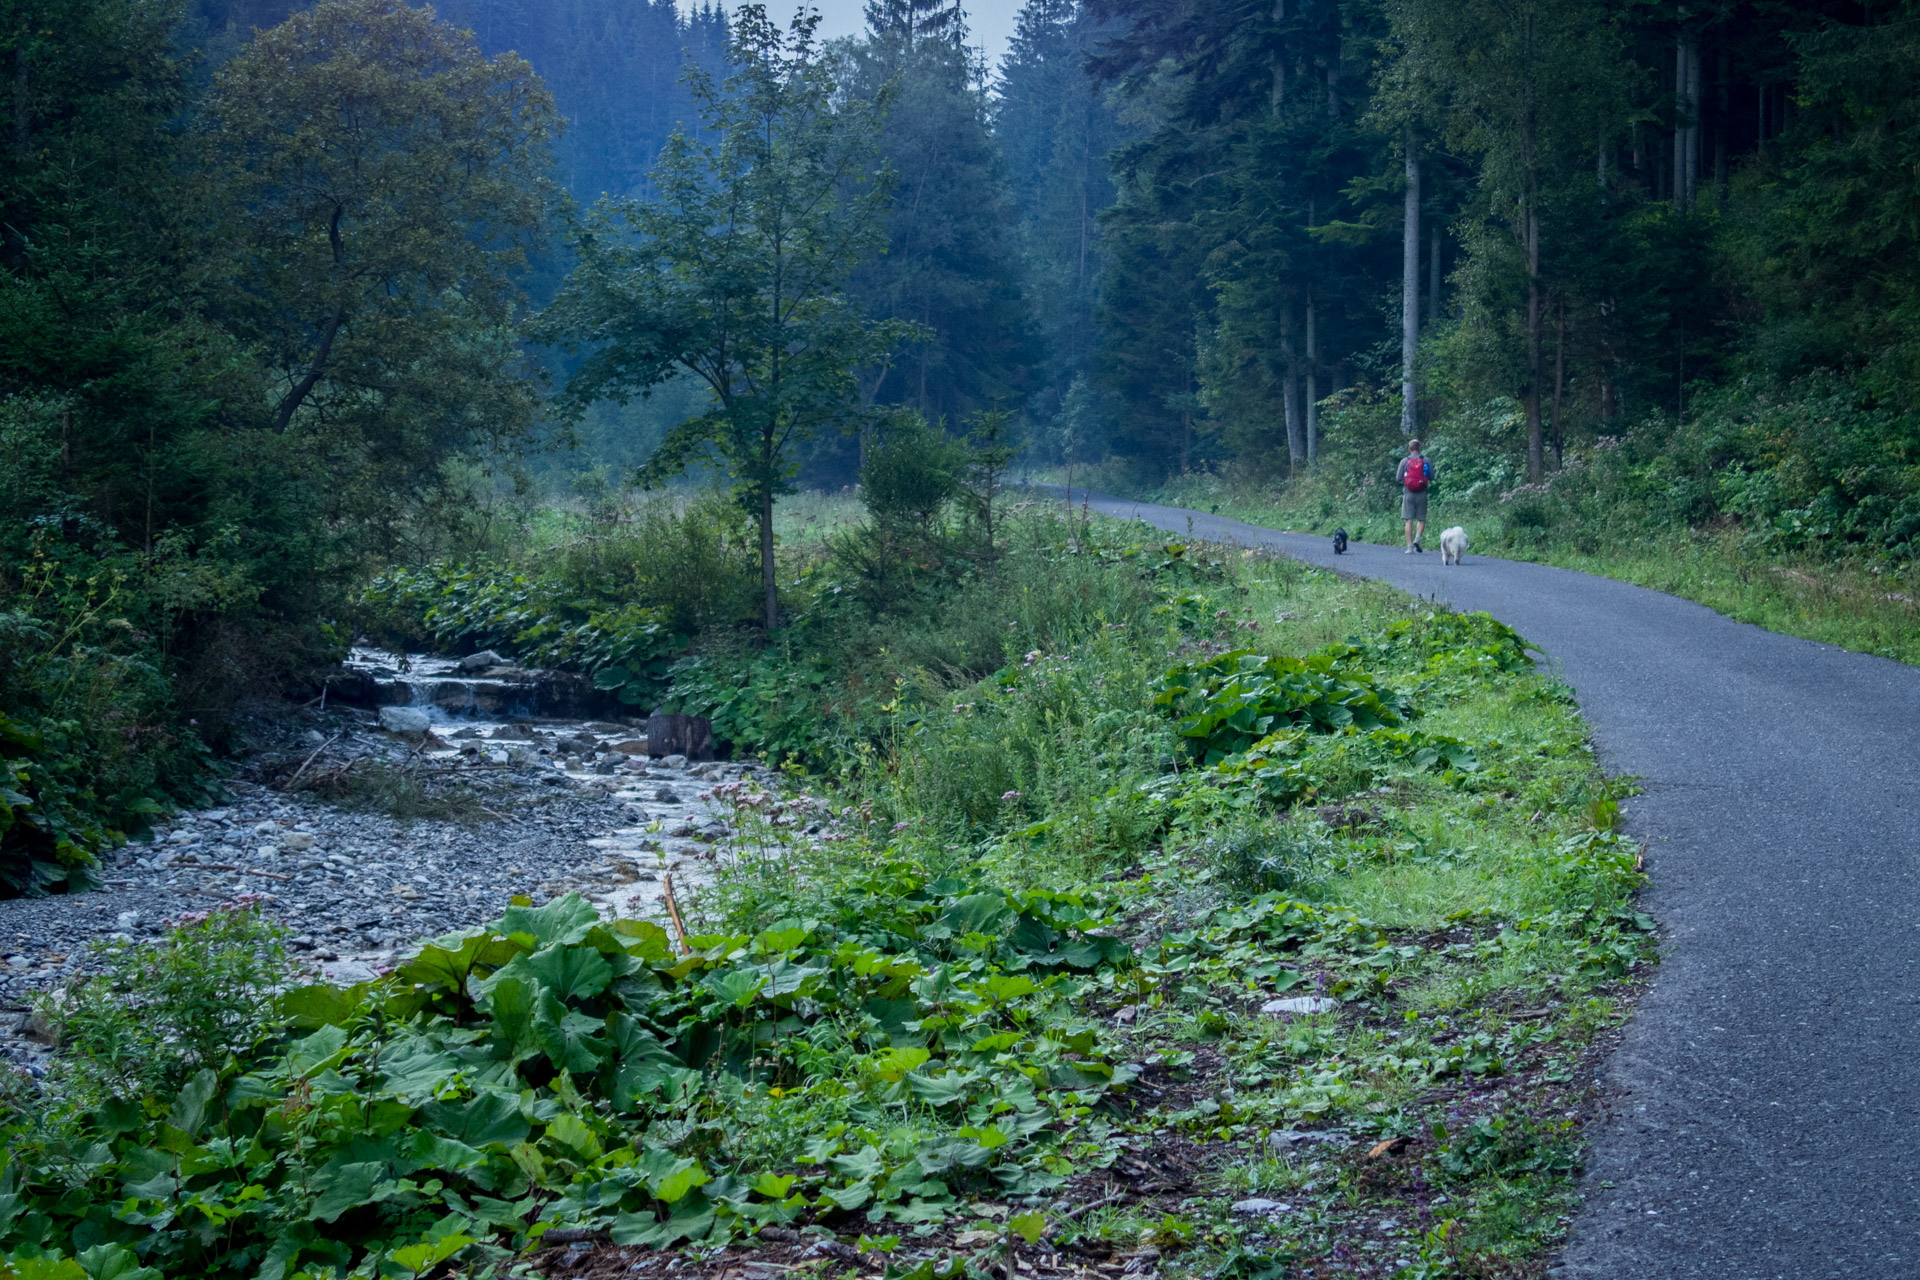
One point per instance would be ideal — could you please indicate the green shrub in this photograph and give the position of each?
(155, 1013)
(92, 740)
(49, 826)
(1261, 855)
(912, 473)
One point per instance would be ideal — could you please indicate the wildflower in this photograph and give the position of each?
(899, 826)
(1009, 795)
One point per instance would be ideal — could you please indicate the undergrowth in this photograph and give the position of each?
(997, 945)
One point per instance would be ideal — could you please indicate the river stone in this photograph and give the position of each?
(1287, 1139)
(480, 661)
(43, 1022)
(1258, 1205)
(347, 972)
(683, 736)
(405, 721)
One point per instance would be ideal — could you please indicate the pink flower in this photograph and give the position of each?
(899, 826)
(1009, 795)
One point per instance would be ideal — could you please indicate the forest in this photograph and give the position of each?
(295, 297)
(1055, 882)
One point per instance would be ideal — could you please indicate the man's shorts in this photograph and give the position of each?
(1413, 506)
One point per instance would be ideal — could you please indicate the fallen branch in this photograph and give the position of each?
(1070, 1214)
(310, 759)
(673, 912)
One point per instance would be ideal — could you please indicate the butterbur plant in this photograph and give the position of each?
(553, 1069)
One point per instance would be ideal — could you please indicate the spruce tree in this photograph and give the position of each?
(952, 265)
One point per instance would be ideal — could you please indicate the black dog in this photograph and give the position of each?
(1339, 542)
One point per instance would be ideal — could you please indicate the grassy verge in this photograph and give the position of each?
(1848, 605)
(986, 985)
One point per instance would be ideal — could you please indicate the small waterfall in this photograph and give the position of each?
(437, 686)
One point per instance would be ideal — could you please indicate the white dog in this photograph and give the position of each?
(1453, 545)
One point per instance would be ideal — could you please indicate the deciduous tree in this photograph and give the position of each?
(374, 184)
(737, 273)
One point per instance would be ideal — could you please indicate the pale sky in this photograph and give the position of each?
(990, 22)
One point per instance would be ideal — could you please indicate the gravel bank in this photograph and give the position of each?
(559, 806)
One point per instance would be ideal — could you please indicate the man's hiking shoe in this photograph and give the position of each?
(1417, 547)
(1407, 552)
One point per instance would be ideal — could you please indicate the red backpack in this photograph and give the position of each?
(1419, 470)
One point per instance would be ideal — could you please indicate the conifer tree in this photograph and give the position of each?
(952, 265)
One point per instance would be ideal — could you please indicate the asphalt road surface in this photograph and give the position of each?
(1770, 1127)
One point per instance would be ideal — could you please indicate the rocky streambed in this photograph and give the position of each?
(548, 804)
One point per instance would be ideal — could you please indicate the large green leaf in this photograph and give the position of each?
(986, 913)
(321, 1005)
(323, 1048)
(348, 1186)
(569, 972)
(115, 1262)
(417, 1069)
(571, 1040)
(190, 1104)
(511, 1002)
(565, 920)
(481, 1120)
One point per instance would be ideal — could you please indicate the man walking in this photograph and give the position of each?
(1415, 475)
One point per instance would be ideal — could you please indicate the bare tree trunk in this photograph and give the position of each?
(22, 110)
(1559, 387)
(1686, 122)
(1536, 442)
(1679, 113)
(1722, 108)
(769, 579)
(1277, 90)
(1409, 292)
(1290, 393)
(1433, 279)
(1693, 125)
(1313, 385)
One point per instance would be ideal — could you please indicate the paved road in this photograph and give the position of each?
(1771, 1129)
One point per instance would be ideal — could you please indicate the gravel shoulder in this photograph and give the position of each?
(1767, 1087)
